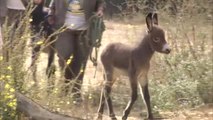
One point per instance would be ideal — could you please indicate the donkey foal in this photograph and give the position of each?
(135, 61)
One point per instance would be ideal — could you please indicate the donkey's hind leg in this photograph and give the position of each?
(105, 95)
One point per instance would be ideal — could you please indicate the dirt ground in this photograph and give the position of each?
(204, 112)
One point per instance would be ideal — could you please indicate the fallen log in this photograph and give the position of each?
(34, 111)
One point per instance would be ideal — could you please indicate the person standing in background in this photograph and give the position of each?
(14, 10)
(11, 9)
(3, 10)
(3, 13)
(1, 41)
(70, 44)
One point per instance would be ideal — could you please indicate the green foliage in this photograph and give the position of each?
(8, 100)
(184, 77)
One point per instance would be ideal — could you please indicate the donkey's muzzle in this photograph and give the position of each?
(166, 49)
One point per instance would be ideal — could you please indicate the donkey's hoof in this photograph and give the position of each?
(149, 118)
(124, 118)
(113, 118)
(99, 118)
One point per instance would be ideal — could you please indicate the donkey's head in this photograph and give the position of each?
(157, 35)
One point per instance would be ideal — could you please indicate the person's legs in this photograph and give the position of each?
(70, 48)
(64, 47)
(35, 46)
(35, 51)
(14, 17)
(79, 63)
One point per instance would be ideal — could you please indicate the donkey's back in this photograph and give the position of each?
(116, 55)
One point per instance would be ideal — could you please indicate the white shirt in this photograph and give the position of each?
(75, 18)
(15, 4)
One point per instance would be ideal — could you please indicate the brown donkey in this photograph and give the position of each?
(135, 61)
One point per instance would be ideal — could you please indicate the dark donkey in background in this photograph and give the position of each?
(41, 28)
(135, 61)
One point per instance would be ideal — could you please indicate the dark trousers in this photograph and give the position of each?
(73, 53)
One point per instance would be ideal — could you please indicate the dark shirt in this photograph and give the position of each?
(38, 15)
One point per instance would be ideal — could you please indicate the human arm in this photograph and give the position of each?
(25, 2)
(100, 8)
(51, 14)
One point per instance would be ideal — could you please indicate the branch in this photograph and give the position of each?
(37, 112)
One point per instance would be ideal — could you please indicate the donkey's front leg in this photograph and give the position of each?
(145, 92)
(134, 95)
(107, 92)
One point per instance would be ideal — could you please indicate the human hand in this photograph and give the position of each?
(100, 13)
(37, 1)
(51, 19)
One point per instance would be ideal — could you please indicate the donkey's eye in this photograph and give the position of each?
(157, 39)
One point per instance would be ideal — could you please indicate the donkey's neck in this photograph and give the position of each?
(144, 49)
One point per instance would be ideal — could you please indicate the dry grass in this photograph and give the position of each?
(178, 81)
(128, 34)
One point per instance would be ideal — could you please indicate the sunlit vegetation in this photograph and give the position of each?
(178, 81)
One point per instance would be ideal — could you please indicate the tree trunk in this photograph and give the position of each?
(35, 111)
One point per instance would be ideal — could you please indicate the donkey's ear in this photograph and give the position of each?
(149, 21)
(155, 18)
